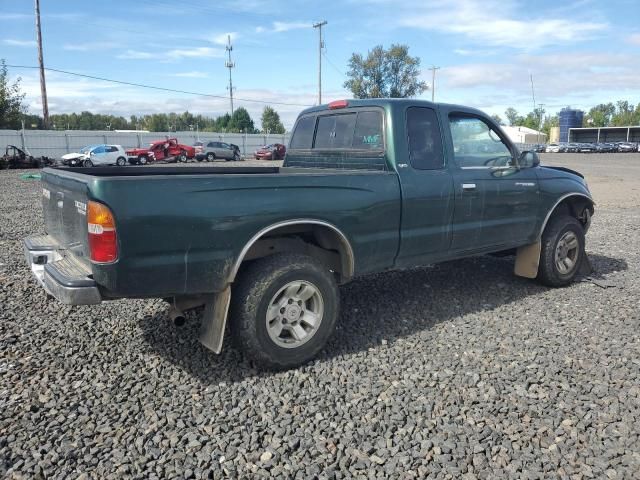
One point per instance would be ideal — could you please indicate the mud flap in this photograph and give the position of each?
(214, 320)
(527, 260)
(585, 265)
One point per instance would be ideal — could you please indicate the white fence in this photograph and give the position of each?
(54, 144)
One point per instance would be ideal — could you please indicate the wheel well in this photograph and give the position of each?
(322, 242)
(578, 206)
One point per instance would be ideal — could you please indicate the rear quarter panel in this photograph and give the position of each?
(182, 234)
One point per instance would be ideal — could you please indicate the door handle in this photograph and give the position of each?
(468, 186)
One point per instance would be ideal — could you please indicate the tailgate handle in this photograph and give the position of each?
(468, 186)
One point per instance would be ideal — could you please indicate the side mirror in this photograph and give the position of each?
(528, 159)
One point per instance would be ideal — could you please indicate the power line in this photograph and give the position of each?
(153, 87)
(324, 54)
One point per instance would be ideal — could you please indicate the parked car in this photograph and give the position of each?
(96, 155)
(15, 157)
(168, 150)
(271, 251)
(553, 148)
(626, 147)
(274, 151)
(586, 148)
(539, 148)
(606, 147)
(215, 150)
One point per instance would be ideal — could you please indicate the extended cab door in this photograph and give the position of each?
(427, 187)
(496, 201)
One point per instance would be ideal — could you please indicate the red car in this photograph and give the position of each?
(275, 151)
(168, 150)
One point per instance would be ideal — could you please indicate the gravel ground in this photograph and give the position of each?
(455, 371)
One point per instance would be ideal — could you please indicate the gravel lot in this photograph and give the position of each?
(455, 371)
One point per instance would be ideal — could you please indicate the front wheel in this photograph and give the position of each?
(562, 251)
(87, 163)
(142, 160)
(183, 157)
(284, 310)
(121, 162)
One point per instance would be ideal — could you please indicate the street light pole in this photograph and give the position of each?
(433, 82)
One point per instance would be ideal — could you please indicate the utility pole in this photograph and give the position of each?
(433, 81)
(541, 110)
(319, 26)
(229, 64)
(43, 86)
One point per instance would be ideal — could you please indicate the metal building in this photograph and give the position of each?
(569, 118)
(605, 134)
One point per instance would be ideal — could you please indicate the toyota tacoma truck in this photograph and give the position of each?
(366, 186)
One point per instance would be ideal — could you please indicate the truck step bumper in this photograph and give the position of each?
(64, 277)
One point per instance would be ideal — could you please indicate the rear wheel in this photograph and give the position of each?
(284, 310)
(87, 163)
(121, 162)
(562, 251)
(211, 157)
(142, 160)
(183, 157)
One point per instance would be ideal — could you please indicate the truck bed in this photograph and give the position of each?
(180, 229)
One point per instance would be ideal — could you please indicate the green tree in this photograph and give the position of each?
(512, 116)
(497, 119)
(241, 121)
(601, 115)
(271, 121)
(11, 98)
(391, 73)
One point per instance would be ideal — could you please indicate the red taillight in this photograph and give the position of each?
(338, 104)
(103, 240)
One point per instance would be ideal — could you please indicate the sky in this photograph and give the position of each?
(580, 53)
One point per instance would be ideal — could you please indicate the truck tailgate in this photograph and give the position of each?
(64, 204)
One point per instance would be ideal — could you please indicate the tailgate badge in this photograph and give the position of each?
(81, 207)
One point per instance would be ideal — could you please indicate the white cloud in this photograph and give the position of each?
(197, 52)
(88, 47)
(136, 55)
(194, 74)
(634, 39)
(19, 43)
(221, 38)
(505, 23)
(173, 54)
(279, 27)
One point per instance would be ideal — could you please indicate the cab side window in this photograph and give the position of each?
(425, 141)
(476, 144)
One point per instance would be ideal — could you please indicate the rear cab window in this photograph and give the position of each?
(350, 139)
(424, 139)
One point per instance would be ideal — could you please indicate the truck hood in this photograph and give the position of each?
(564, 169)
(73, 156)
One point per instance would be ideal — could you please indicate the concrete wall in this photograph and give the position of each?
(54, 144)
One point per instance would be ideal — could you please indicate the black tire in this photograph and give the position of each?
(211, 157)
(236, 157)
(121, 161)
(142, 160)
(87, 163)
(251, 297)
(548, 271)
(182, 157)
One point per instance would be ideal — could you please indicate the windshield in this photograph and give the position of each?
(87, 149)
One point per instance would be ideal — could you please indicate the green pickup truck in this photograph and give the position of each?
(366, 186)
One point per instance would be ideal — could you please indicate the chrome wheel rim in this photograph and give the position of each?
(567, 251)
(294, 314)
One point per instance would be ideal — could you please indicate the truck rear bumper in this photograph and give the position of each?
(62, 276)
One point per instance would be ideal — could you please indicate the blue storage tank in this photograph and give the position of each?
(569, 118)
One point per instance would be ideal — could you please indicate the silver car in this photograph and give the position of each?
(214, 150)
